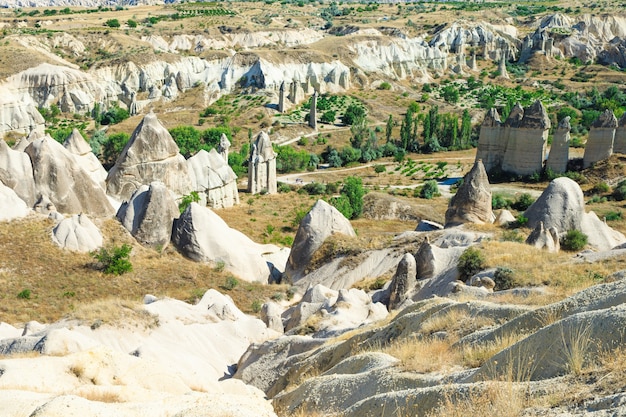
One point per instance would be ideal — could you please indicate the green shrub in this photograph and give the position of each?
(256, 306)
(314, 188)
(186, 200)
(512, 236)
(613, 216)
(521, 220)
(503, 277)
(131, 23)
(574, 240)
(471, 262)
(354, 191)
(523, 201)
(115, 260)
(112, 23)
(283, 187)
(230, 283)
(429, 189)
(601, 188)
(498, 201)
(24, 294)
(384, 86)
(619, 193)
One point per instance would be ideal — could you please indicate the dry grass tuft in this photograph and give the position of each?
(424, 355)
(476, 355)
(492, 400)
(114, 312)
(100, 395)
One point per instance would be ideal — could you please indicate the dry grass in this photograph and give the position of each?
(424, 355)
(533, 267)
(114, 312)
(62, 282)
(104, 395)
(455, 321)
(492, 400)
(476, 355)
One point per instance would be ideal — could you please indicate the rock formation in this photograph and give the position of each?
(321, 221)
(223, 147)
(150, 155)
(491, 144)
(403, 281)
(77, 145)
(544, 239)
(11, 206)
(600, 141)
(526, 144)
(262, 166)
(77, 233)
(561, 206)
(270, 315)
(203, 236)
(16, 172)
(619, 144)
(313, 112)
(213, 179)
(281, 98)
(61, 179)
(149, 215)
(520, 146)
(472, 201)
(504, 218)
(559, 151)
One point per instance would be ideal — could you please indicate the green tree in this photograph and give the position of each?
(429, 189)
(188, 140)
(342, 203)
(354, 191)
(112, 147)
(471, 262)
(329, 116)
(353, 113)
(389, 128)
(466, 130)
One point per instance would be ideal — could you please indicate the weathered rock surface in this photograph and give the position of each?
(321, 221)
(491, 144)
(149, 215)
(600, 141)
(378, 206)
(472, 201)
(504, 218)
(77, 145)
(79, 364)
(270, 315)
(619, 144)
(213, 179)
(203, 236)
(561, 206)
(77, 233)
(403, 281)
(16, 172)
(544, 239)
(61, 179)
(150, 155)
(262, 166)
(559, 151)
(526, 143)
(11, 206)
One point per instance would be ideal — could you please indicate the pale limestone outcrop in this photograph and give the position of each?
(223, 147)
(262, 166)
(544, 239)
(600, 141)
(619, 144)
(559, 151)
(518, 146)
(504, 218)
(17, 114)
(11, 206)
(491, 144)
(77, 145)
(150, 155)
(149, 215)
(213, 179)
(322, 221)
(526, 144)
(472, 201)
(77, 233)
(203, 236)
(561, 206)
(16, 172)
(403, 282)
(61, 179)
